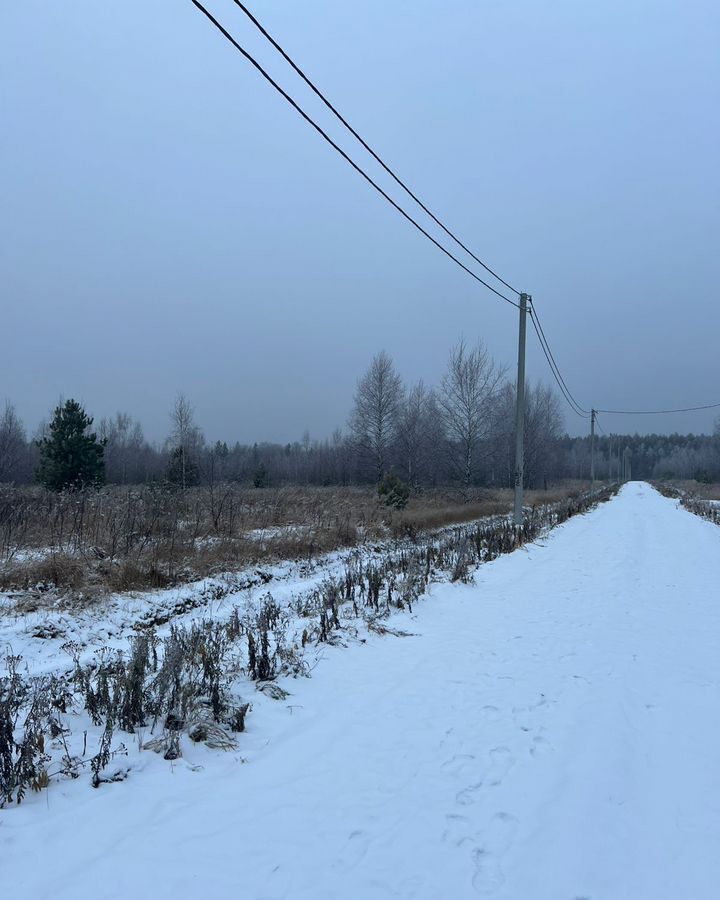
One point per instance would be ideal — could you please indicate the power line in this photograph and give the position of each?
(625, 412)
(551, 365)
(576, 406)
(543, 340)
(555, 371)
(369, 149)
(556, 374)
(544, 344)
(342, 153)
(656, 412)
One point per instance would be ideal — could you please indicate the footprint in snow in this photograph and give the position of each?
(540, 746)
(466, 797)
(487, 858)
(501, 761)
(458, 762)
(457, 830)
(355, 849)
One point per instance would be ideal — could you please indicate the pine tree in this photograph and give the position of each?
(393, 492)
(72, 456)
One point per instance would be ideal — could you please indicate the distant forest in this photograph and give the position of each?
(459, 433)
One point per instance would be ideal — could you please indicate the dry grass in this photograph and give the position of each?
(688, 489)
(121, 539)
(698, 489)
(429, 512)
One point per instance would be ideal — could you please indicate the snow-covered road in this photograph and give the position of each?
(550, 732)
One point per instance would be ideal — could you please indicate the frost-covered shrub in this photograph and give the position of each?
(30, 711)
(186, 683)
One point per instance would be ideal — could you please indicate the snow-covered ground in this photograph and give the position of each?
(549, 732)
(40, 635)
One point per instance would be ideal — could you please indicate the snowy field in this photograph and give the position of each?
(548, 732)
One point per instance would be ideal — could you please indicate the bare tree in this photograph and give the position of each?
(501, 462)
(186, 441)
(543, 430)
(341, 455)
(125, 448)
(13, 445)
(467, 401)
(419, 434)
(374, 420)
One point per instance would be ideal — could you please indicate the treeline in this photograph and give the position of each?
(460, 433)
(652, 457)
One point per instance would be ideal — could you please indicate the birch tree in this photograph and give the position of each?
(13, 445)
(376, 411)
(467, 402)
(186, 441)
(419, 435)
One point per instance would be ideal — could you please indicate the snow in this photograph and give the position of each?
(111, 622)
(548, 732)
(32, 554)
(277, 532)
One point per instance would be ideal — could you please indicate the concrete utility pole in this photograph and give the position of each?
(520, 413)
(627, 464)
(592, 448)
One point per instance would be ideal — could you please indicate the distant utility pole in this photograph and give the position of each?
(520, 413)
(592, 448)
(627, 464)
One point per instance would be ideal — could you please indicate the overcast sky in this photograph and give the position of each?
(168, 223)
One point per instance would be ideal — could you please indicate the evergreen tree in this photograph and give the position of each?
(393, 492)
(71, 456)
(182, 470)
(260, 476)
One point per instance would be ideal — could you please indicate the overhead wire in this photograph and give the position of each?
(296, 106)
(554, 368)
(544, 341)
(656, 412)
(537, 325)
(313, 87)
(556, 374)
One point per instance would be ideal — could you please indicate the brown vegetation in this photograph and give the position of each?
(697, 489)
(188, 682)
(132, 538)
